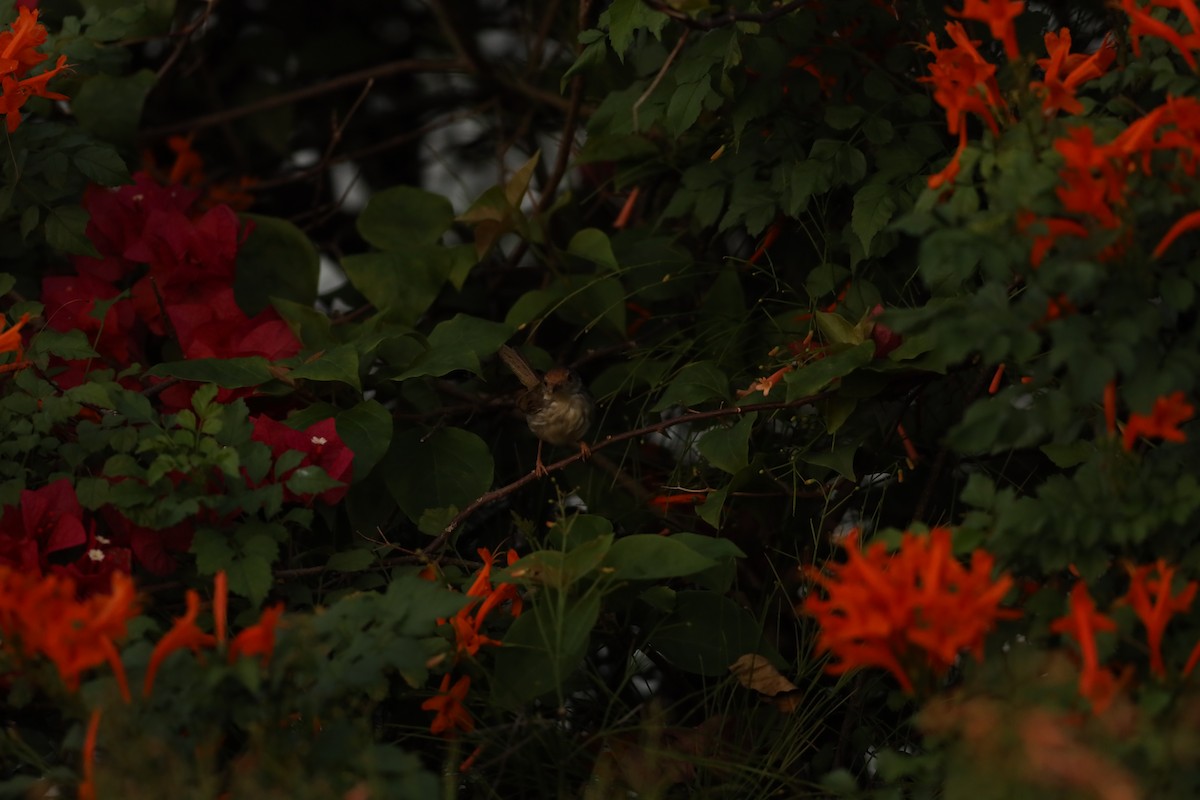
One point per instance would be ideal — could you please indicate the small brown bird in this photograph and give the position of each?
(556, 405)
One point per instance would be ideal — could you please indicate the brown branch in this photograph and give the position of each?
(440, 541)
(398, 67)
(185, 36)
(726, 19)
(568, 135)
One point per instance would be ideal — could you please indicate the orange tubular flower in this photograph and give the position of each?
(963, 81)
(184, 633)
(1162, 422)
(451, 716)
(42, 616)
(220, 606)
(1185, 223)
(259, 638)
(87, 786)
(467, 638)
(17, 47)
(1056, 228)
(1152, 601)
(999, 16)
(1081, 623)
(921, 603)
(16, 58)
(1065, 72)
(1142, 24)
(10, 340)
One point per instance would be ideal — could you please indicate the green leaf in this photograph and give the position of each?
(403, 216)
(695, 383)
(649, 557)
(837, 329)
(367, 431)
(843, 117)
(533, 304)
(687, 101)
(459, 343)
(724, 552)
(250, 576)
(212, 550)
(111, 106)
(707, 632)
(593, 244)
(355, 560)
(436, 469)
(65, 230)
(626, 16)
(311, 480)
(710, 509)
(590, 300)
(404, 283)
(800, 181)
(727, 447)
(276, 261)
(64, 344)
(585, 557)
(813, 377)
(1070, 454)
(839, 459)
(543, 647)
(100, 164)
(338, 364)
(874, 207)
(232, 373)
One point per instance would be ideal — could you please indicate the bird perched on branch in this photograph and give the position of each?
(556, 405)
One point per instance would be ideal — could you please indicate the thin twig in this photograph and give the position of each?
(658, 78)
(568, 134)
(185, 36)
(440, 541)
(398, 67)
(371, 150)
(726, 19)
(335, 138)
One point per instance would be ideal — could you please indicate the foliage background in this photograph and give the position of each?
(788, 333)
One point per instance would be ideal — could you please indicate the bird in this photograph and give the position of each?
(556, 405)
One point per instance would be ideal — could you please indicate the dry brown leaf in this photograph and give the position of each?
(758, 674)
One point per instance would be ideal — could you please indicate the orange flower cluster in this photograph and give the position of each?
(1095, 176)
(1065, 71)
(1161, 423)
(964, 82)
(1082, 623)
(1152, 598)
(18, 55)
(256, 640)
(451, 714)
(42, 617)
(1142, 24)
(896, 610)
(11, 342)
(467, 622)
(999, 16)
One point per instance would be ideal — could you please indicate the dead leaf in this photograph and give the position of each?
(758, 674)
